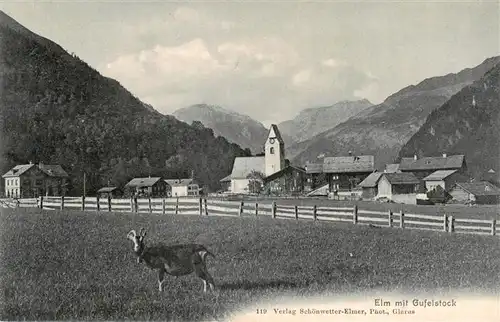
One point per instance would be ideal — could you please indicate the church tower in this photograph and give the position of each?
(274, 151)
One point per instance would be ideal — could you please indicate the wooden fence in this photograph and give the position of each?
(211, 207)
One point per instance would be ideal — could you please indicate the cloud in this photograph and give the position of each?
(263, 76)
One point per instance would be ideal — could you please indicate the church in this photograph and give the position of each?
(273, 168)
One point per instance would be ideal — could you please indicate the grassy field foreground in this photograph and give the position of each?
(74, 265)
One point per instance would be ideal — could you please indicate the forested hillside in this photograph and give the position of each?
(469, 123)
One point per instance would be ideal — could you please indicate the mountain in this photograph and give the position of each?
(469, 124)
(313, 121)
(236, 128)
(381, 130)
(56, 109)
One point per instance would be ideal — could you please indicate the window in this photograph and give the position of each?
(271, 150)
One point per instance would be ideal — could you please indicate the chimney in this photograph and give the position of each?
(415, 157)
(350, 153)
(444, 155)
(31, 162)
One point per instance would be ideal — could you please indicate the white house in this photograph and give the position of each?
(444, 178)
(271, 162)
(398, 187)
(182, 187)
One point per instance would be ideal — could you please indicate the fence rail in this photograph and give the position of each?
(214, 207)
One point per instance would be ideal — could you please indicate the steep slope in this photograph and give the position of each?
(236, 128)
(469, 124)
(54, 108)
(313, 121)
(382, 130)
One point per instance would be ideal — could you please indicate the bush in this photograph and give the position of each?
(438, 195)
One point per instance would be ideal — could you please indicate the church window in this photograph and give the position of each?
(271, 150)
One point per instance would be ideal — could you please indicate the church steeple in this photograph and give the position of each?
(274, 151)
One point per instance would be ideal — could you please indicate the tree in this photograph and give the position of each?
(256, 181)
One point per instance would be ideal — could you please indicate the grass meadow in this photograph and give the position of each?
(73, 265)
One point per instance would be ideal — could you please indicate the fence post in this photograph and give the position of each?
(493, 227)
(401, 219)
(109, 202)
(206, 207)
(177, 206)
(41, 202)
(241, 208)
(98, 199)
(445, 222)
(62, 202)
(136, 204)
(149, 205)
(355, 214)
(451, 224)
(163, 205)
(201, 206)
(131, 204)
(256, 209)
(273, 210)
(391, 220)
(83, 203)
(315, 213)
(296, 212)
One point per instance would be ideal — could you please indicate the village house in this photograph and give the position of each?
(369, 186)
(146, 187)
(422, 167)
(398, 187)
(33, 180)
(290, 180)
(111, 192)
(446, 179)
(271, 162)
(316, 179)
(342, 174)
(481, 192)
(345, 173)
(182, 187)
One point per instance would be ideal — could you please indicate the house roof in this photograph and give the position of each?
(392, 168)
(226, 178)
(283, 171)
(106, 189)
(142, 182)
(432, 163)
(179, 182)
(314, 167)
(370, 181)
(439, 175)
(481, 188)
(355, 163)
(243, 166)
(401, 178)
(274, 128)
(17, 170)
(53, 170)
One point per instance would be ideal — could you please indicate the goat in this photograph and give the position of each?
(175, 260)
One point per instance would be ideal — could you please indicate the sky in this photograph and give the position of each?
(267, 59)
